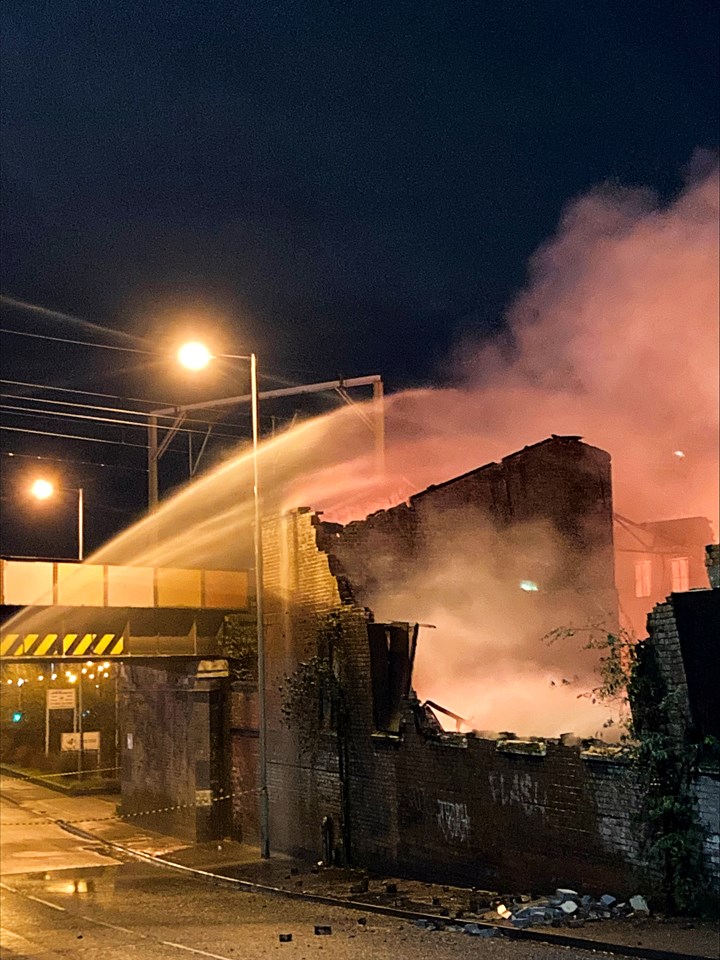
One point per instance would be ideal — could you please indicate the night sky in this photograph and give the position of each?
(346, 188)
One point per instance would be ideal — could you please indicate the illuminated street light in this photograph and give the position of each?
(196, 356)
(42, 489)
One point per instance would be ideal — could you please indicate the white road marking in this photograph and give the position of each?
(202, 953)
(114, 926)
(45, 902)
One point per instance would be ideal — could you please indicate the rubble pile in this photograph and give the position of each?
(568, 909)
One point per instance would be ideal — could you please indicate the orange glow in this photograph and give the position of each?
(42, 489)
(194, 355)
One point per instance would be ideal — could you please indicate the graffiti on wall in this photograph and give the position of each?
(519, 790)
(454, 821)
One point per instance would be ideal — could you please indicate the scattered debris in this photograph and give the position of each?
(567, 908)
(639, 905)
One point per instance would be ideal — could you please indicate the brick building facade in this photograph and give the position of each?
(655, 559)
(392, 791)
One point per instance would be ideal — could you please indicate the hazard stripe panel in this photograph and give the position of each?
(45, 644)
(29, 642)
(84, 644)
(7, 642)
(104, 643)
(61, 645)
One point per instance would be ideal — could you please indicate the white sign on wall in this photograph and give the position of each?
(90, 741)
(62, 699)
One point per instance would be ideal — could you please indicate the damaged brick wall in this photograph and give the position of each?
(561, 482)
(428, 803)
(299, 591)
(421, 802)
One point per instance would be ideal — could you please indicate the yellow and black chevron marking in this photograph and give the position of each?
(62, 645)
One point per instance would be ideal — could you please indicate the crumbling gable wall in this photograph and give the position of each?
(422, 802)
(560, 482)
(426, 803)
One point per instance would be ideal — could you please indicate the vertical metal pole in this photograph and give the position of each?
(258, 549)
(81, 524)
(379, 411)
(117, 727)
(47, 724)
(80, 726)
(152, 462)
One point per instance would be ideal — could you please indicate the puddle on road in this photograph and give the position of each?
(94, 882)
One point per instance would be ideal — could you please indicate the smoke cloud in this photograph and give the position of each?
(615, 339)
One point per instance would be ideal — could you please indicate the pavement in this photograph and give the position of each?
(94, 818)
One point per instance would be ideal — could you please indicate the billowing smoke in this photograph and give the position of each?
(615, 338)
(487, 651)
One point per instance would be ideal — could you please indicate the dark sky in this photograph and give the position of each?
(351, 181)
(350, 185)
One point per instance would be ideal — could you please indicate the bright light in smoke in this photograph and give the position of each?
(194, 355)
(42, 489)
(529, 586)
(679, 454)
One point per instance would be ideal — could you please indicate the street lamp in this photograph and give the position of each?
(196, 356)
(43, 489)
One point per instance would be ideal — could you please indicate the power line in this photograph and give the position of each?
(40, 414)
(70, 436)
(86, 393)
(65, 317)
(85, 463)
(80, 343)
(98, 407)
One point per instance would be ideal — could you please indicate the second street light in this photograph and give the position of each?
(196, 356)
(43, 489)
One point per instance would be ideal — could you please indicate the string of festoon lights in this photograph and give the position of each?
(90, 670)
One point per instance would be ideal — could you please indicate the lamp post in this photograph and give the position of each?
(196, 356)
(43, 489)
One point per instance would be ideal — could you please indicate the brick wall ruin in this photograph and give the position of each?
(561, 486)
(410, 798)
(422, 801)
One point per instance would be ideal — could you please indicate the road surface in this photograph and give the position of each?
(62, 897)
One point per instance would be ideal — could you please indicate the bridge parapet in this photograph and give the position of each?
(44, 583)
(73, 633)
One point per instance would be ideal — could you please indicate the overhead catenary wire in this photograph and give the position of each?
(79, 343)
(111, 421)
(71, 436)
(84, 463)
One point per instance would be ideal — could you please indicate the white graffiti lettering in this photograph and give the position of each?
(520, 791)
(454, 821)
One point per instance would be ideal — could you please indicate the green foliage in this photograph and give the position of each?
(668, 756)
(314, 704)
(239, 645)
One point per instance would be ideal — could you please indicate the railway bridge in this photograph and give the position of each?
(163, 628)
